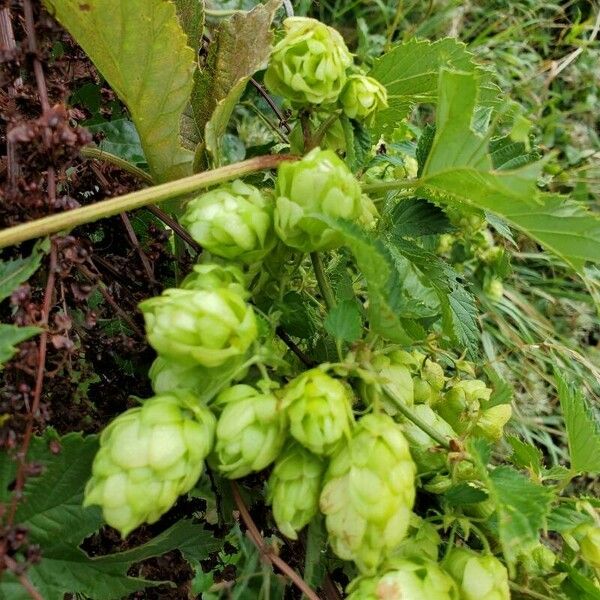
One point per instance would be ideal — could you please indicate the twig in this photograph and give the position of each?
(527, 591)
(33, 50)
(23, 580)
(95, 153)
(267, 552)
(261, 90)
(136, 244)
(322, 280)
(176, 227)
(289, 342)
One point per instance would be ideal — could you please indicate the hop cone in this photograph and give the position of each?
(294, 488)
(421, 541)
(250, 431)
(479, 577)
(422, 447)
(589, 543)
(232, 221)
(149, 456)
(167, 376)
(319, 410)
(491, 422)
(369, 492)
(319, 183)
(211, 276)
(363, 96)
(404, 579)
(308, 66)
(199, 327)
(461, 405)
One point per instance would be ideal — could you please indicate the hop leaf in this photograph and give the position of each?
(319, 183)
(149, 456)
(250, 431)
(363, 96)
(293, 489)
(479, 577)
(369, 492)
(205, 327)
(233, 221)
(319, 410)
(308, 66)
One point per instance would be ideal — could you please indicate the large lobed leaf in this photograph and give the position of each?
(459, 170)
(140, 49)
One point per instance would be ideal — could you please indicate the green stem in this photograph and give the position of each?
(152, 195)
(430, 431)
(395, 184)
(101, 155)
(322, 280)
(527, 591)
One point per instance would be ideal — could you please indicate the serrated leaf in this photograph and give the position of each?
(240, 47)
(506, 154)
(464, 493)
(55, 519)
(344, 321)
(15, 272)
(459, 170)
(10, 336)
(583, 428)
(524, 455)
(358, 143)
(298, 316)
(522, 506)
(410, 73)
(141, 51)
(414, 217)
(424, 147)
(565, 517)
(577, 586)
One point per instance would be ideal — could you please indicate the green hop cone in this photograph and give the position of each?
(319, 410)
(425, 451)
(421, 541)
(233, 221)
(588, 537)
(293, 489)
(491, 422)
(167, 376)
(396, 378)
(363, 96)
(308, 66)
(199, 327)
(210, 276)
(320, 183)
(461, 405)
(369, 492)
(479, 577)
(250, 432)
(538, 560)
(148, 457)
(406, 579)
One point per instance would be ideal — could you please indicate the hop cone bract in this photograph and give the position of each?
(369, 492)
(149, 456)
(250, 431)
(294, 488)
(319, 409)
(210, 276)
(319, 183)
(199, 327)
(167, 376)
(363, 96)
(233, 221)
(479, 577)
(308, 66)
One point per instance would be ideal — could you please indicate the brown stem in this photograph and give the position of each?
(267, 552)
(176, 227)
(23, 580)
(261, 90)
(289, 342)
(33, 49)
(136, 244)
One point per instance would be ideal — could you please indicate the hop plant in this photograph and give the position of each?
(369, 492)
(588, 536)
(319, 183)
(233, 221)
(250, 431)
(422, 447)
(166, 376)
(308, 66)
(293, 489)
(397, 378)
(491, 422)
(211, 276)
(422, 541)
(479, 577)
(461, 405)
(199, 327)
(363, 96)
(149, 456)
(319, 409)
(414, 579)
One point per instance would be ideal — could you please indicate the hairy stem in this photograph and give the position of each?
(395, 184)
(322, 280)
(430, 431)
(96, 153)
(152, 195)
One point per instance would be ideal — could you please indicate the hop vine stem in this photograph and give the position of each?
(322, 280)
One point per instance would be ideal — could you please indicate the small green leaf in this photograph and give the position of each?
(10, 336)
(415, 218)
(577, 586)
(15, 272)
(344, 321)
(298, 315)
(120, 137)
(583, 428)
(140, 49)
(525, 456)
(464, 493)
(565, 517)
(191, 18)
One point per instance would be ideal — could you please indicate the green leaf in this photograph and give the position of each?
(191, 18)
(459, 170)
(10, 335)
(410, 72)
(565, 517)
(298, 316)
(358, 143)
(55, 519)
(344, 321)
(522, 506)
(241, 45)
(464, 493)
(120, 137)
(414, 218)
(577, 586)
(583, 429)
(15, 272)
(140, 49)
(525, 456)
